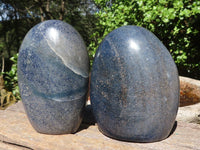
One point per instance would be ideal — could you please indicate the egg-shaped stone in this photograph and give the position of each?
(53, 68)
(134, 86)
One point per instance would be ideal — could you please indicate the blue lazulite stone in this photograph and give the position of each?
(53, 69)
(134, 86)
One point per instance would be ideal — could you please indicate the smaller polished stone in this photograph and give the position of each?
(53, 69)
(134, 86)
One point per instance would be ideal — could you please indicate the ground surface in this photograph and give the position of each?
(16, 133)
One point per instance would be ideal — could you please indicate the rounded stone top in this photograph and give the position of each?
(63, 40)
(53, 62)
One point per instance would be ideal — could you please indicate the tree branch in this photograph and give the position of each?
(3, 63)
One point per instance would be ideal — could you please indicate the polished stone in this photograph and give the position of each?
(53, 69)
(134, 86)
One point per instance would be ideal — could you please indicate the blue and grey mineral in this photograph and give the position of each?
(53, 68)
(134, 86)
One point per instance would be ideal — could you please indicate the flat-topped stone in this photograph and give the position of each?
(15, 129)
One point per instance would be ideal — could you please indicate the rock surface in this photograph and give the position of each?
(53, 71)
(190, 99)
(16, 133)
(189, 113)
(134, 86)
(189, 91)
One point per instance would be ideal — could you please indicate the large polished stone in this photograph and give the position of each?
(53, 69)
(134, 86)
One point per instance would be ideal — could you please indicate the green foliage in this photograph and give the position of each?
(175, 22)
(18, 16)
(11, 80)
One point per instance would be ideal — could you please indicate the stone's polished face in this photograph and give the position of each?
(53, 69)
(134, 86)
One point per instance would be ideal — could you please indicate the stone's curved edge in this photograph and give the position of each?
(74, 45)
(54, 117)
(134, 140)
(189, 91)
(67, 61)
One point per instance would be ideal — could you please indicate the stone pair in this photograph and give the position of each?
(134, 82)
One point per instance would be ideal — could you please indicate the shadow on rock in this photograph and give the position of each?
(88, 118)
(173, 129)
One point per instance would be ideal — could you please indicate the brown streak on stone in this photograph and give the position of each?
(124, 87)
(124, 94)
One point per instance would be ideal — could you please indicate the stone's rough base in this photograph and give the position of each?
(55, 117)
(134, 86)
(53, 69)
(16, 133)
